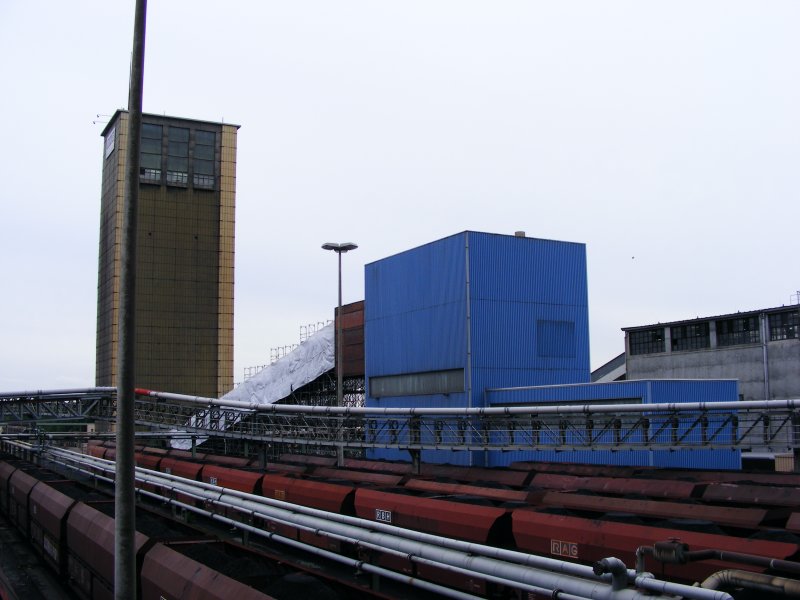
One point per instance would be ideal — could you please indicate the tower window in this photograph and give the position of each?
(150, 154)
(178, 156)
(111, 138)
(205, 145)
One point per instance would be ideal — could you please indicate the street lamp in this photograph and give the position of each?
(339, 249)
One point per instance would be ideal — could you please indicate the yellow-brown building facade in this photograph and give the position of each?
(184, 255)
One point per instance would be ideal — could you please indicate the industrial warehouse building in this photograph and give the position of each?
(185, 254)
(760, 348)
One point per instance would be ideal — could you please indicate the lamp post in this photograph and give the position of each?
(339, 249)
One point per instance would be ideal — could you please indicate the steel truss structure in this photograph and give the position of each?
(771, 425)
(56, 405)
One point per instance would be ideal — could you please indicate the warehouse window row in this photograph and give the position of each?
(714, 333)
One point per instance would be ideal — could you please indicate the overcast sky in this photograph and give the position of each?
(663, 135)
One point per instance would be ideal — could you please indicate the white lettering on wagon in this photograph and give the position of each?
(567, 549)
(383, 515)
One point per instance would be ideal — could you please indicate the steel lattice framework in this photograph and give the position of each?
(56, 405)
(772, 425)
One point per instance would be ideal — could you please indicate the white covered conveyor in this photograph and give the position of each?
(277, 381)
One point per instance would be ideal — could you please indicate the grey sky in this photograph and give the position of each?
(664, 131)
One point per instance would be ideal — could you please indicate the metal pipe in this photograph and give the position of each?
(617, 569)
(657, 586)
(217, 496)
(741, 406)
(674, 552)
(357, 564)
(510, 575)
(57, 392)
(760, 582)
(426, 546)
(428, 586)
(765, 353)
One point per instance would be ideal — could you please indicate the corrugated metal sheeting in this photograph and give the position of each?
(525, 321)
(639, 392)
(415, 310)
(508, 311)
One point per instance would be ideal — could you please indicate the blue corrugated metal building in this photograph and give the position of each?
(449, 323)
(445, 321)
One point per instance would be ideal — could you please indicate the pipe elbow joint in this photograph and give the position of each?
(616, 568)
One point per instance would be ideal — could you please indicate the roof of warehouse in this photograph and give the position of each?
(749, 313)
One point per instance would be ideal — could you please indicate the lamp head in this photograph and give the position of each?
(339, 248)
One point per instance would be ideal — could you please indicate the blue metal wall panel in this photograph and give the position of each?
(699, 459)
(521, 269)
(585, 392)
(644, 391)
(505, 335)
(529, 311)
(415, 310)
(416, 279)
(635, 458)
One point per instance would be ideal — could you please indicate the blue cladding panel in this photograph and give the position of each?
(645, 392)
(515, 269)
(529, 311)
(415, 310)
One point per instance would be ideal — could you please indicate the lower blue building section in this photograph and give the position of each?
(641, 392)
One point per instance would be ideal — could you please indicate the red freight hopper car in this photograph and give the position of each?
(168, 574)
(90, 538)
(652, 488)
(20, 485)
(149, 461)
(331, 497)
(473, 474)
(6, 470)
(181, 468)
(48, 511)
(761, 495)
(746, 518)
(234, 479)
(97, 451)
(286, 468)
(475, 523)
(233, 462)
(309, 459)
(186, 455)
(587, 540)
(497, 494)
(447, 518)
(379, 466)
(379, 479)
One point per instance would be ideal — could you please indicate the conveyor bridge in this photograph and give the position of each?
(766, 425)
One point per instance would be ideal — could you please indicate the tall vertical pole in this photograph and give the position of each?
(339, 249)
(125, 496)
(339, 390)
